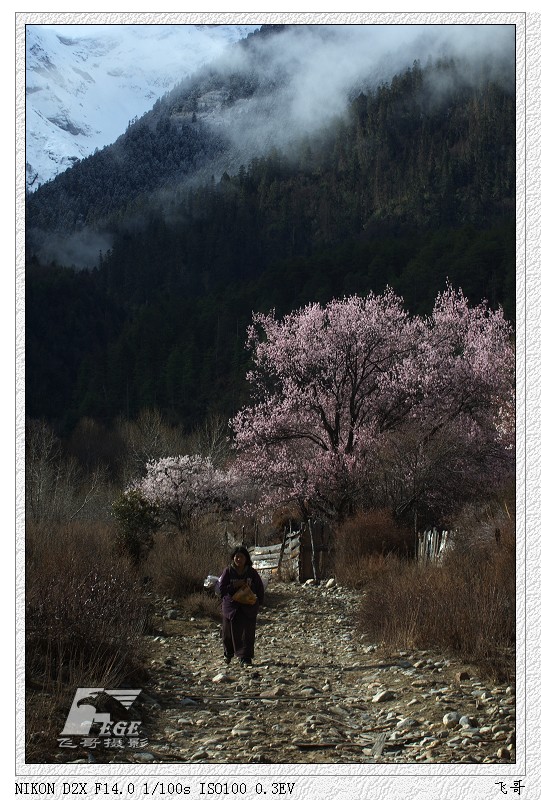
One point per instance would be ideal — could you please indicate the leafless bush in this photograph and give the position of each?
(203, 605)
(84, 608)
(178, 564)
(362, 542)
(84, 616)
(147, 438)
(211, 440)
(484, 526)
(57, 489)
(465, 605)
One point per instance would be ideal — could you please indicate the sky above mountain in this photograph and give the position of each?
(84, 83)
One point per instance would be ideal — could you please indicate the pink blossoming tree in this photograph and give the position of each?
(357, 395)
(183, 486)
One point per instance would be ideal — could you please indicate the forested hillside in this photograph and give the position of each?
(410, 188)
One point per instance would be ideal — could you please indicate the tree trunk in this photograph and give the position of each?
(314, 560)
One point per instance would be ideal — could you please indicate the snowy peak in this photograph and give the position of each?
(85, 83)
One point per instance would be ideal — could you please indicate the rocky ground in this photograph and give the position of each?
(318, 692)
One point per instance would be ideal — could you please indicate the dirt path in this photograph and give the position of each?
(318, 692)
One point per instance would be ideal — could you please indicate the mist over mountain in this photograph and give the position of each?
(303, 163)
(268, 91)
(84, 83)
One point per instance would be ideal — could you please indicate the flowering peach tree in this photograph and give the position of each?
(336, 388)
(180, 487)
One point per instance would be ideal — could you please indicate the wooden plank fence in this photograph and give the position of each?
(301, 554)
(281, 560)
(431, 545)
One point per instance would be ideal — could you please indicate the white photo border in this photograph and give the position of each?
(444, 781)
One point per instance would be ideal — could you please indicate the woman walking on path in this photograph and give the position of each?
(239, 619)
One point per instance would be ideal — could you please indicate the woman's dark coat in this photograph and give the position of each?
(229, 606)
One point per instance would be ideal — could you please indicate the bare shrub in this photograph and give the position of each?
(465, 605)
(178, 564)
(374, 566)
(485, 525)
(57, 488)
(84, 616)
(362, 542)
(84, 608)
(147, 438)
(211, 440)
(202, 604)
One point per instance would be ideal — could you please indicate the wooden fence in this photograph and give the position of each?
(301, 554)
(304, 553)
(431, 545)
(281, 560)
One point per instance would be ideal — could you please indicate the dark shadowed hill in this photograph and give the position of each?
(187, 229)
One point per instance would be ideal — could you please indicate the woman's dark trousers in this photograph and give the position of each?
(238, 635)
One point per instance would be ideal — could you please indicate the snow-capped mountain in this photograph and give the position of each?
(85, 83)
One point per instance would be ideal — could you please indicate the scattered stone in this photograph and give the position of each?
(241, 732)
(314, 696)
(276, 692)
(144, 757)
(384, 696)
(200, 755)
(408, 722)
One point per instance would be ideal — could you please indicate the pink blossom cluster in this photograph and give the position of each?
(336, 389)
(182, 486)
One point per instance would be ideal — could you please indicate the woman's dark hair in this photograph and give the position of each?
(244, 552)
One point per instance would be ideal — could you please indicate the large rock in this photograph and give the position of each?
(383, 696)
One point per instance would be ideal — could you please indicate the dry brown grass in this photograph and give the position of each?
(203, 604)
(465, 605)
(84, 615)
(365, 544)
(178, 563)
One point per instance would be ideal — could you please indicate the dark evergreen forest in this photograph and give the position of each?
(407, 189)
